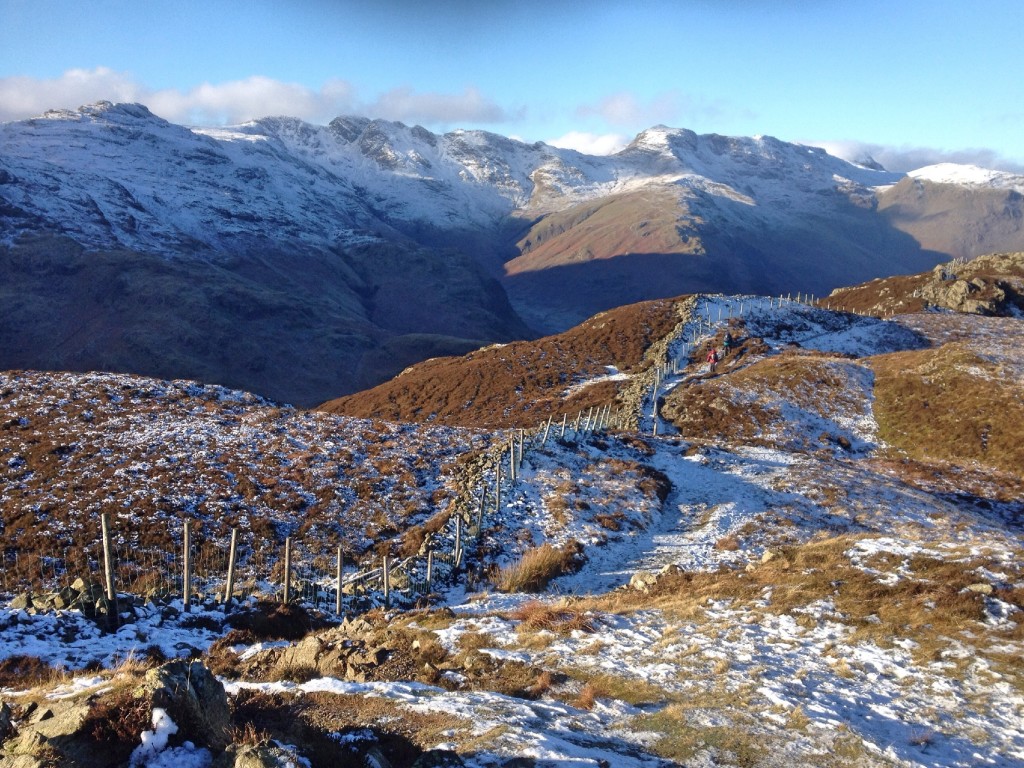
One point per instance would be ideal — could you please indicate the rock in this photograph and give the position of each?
(21, 602)
(254, 756)
(6, 726)
(374, 758)
(642, 581)
(439, 758)
(982, 588)
(769, 555)
(194, 699)
(64, 598)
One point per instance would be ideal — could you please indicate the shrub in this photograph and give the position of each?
(538, 566)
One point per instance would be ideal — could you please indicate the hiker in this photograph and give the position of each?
(727, 344)
(712, 359)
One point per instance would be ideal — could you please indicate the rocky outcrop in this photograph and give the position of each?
(194, 699)
(988, 285)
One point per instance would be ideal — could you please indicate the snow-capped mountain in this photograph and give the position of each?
(368, 230)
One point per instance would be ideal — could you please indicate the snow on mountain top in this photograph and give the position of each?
(969, 175)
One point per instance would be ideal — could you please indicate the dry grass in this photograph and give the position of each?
(930, 605)
(21, 672)
(680, 739)
(539, 616)
(538, 566)
(934, 405)
(606, 685)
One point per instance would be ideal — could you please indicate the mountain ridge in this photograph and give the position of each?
(495, 239)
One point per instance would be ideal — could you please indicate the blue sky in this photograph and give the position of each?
(911, 81)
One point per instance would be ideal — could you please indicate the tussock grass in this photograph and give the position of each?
(606, 685)
(538, 566)
(536, 615)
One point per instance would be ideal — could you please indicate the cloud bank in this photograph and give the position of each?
(906, 158)
(241, 100)
(591, 143)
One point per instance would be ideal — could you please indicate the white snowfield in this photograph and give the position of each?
(802, 684)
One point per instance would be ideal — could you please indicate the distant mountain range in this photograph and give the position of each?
(305, 262)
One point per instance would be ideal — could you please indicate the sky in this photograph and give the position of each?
(910, 82)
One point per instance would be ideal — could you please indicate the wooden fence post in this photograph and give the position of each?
(565, 416)
(341, 570)
(497, 489)
(229, 588)
(387, 582)
(458, 541)
(547, 428)
(186, 564)
(287, 594)
(113, 613)
(430, 570)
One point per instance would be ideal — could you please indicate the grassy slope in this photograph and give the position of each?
(521, 383)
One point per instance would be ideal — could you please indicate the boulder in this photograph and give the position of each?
(254, 756)
(642, 581)
(6, 726)
(439, 758)
(194, 699)
(982, 588)
(21, 602)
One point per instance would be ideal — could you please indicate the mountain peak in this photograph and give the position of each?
(969, 175)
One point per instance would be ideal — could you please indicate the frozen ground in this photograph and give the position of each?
(808, 685)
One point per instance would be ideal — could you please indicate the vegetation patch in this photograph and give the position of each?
(950, 404)
(538, 566)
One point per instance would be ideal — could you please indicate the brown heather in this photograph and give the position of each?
(522, 383)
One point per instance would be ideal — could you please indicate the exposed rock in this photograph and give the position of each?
(642, 581)
(6, 726)
(374, 758)
(254, 756)
(438, 758)
(982, 588)
(21, 602)
(194, 699)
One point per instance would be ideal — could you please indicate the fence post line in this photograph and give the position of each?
(186, 566)
(497, 489)
(229, 588)
(287, 594)
(113, 614)
(458, 541)
(340, 570)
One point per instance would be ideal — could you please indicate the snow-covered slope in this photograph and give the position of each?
(116, 175)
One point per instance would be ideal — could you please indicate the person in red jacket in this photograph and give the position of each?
(712, 359)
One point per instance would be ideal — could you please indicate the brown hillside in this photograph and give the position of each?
(519, 384)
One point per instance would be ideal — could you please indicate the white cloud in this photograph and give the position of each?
(405, 104)
(674, 108)
(591, 143)
(238, 101)
(22, 97)
(906, 158)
